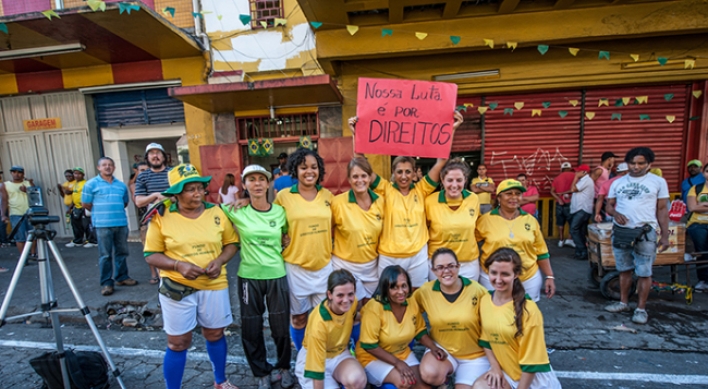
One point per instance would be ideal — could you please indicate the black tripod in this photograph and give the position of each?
(43, 238)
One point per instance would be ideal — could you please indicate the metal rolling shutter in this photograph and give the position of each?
(667, 140)
(469, 136)
(537, 146)
(150, 106)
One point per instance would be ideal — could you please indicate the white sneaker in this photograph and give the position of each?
(72, 244)
(560, 243)
(89, 245)
(569, 242)
(701, 285)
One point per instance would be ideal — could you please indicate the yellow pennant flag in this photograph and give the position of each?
(689, 63)
(535, 112)
(604, 102)
(696, 93)
(482, 110)
(519, 104)
(635, 57)
(352, 29)
(489, 42)
(280, 21)
(670, 118)
(573, 51)
(421, 35)
(590, 115)
(512, 45)
(468, 105)
(642, 99)
(264, 24)
(626, 100)
(573, 102)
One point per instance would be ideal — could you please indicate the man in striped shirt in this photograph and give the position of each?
(106, 197)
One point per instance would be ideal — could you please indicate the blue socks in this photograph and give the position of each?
(217, 354)
(356, 331)
(173, 368)
(297, 336)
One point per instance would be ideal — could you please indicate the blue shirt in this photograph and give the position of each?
(690, 182)
(109, 201)
(283, 182)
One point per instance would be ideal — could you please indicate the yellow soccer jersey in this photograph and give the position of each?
(526, 353)
(404, 231)
(76, 195)
(379, 328)
(326, 336)
(696, 217)
(309, 228)
(356, 232)
(450, 228)
(197, 241)
(484, 197)
(68, 199)
(455, 326)
(522, 234)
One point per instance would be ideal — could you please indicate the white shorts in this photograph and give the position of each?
(466, 370)
(330, 365)
(377, 370)
(209, 308)
(468, 270)
(307, 288)
(545, 380)
(533, 285)
(416, 266)
(366, 274)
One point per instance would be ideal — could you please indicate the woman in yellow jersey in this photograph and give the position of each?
(405, 236)
(389, 323)
(452, 216)
(357, 217)
(512, 330)
(697, 201)
(307, 258)
(191, 244)
(509, 226)
(324, 361)
(452, 305)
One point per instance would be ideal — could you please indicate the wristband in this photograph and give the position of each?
(551, 277)
(175, 266)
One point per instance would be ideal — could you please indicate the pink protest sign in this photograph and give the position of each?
(405, 117)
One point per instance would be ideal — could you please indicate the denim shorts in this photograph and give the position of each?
(22, 230)
(562, 214)
(639, 258)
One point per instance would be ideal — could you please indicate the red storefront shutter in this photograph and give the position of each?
(336, 153)
(517, 142)
(469, 136)
(217, 160)
(666, 139)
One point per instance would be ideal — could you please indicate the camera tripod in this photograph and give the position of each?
(43, 238)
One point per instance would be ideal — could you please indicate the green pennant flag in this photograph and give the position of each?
(692, 118)
(509, 111)
(461, 108)
(644, 117)
(316, 25)
(616, 116)
(455, 39)
(245, 19)
(618, 103)
(306, 142)
(604, 54)
(253, 147)
(562, 113)
(386, 31)
(662, 60)
(543, 49)
(546, 104)
(493, 105)
(668, 96)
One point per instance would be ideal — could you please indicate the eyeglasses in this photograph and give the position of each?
(450, 267)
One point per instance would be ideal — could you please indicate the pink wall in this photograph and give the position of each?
(14, 7)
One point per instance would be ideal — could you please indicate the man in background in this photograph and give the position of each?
(80, 218)
(483, 186)
(622, 169)
(560, 190)
(16, 204)
(694, 178)
(581, 209)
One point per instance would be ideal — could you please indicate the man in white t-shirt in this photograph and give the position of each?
(636, 201)
(581, 203)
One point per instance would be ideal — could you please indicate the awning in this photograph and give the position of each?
(81, 38)
(277, 93)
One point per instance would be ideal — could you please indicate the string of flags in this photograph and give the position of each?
(589, 115)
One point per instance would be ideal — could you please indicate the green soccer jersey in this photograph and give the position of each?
(260, 234)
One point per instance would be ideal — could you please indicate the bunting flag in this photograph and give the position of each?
(489, 42)
(264, 24)
(562, 113)
(197, 15)
(305, 142)
(168, 10)
(509, 111)
(604, 54)
(455, 39)
(519, 104)
(605, 102)
(662, 60)
(689, 63)
(626, 100)
(696, 93)
(468, 105)
(245, 19)
(280, 22)
(644, 117)
(692, 118)
(573, 51)
(670, 118)
(49, 14)
(461, 108)
(642, 99)
(352, 29)
(493, 105)
(619, 103)
(536, 112)
(95, 5)
(616, 116)
(668, 96)
(421, 35)
(635, 57)
(316, 25)
(512, 45)
(127, 8)
(386, 31)
(482, 110)
(219, 17)
(3, 28)
(546, 104)
(589, 115)
(543, 49)
(573, 102)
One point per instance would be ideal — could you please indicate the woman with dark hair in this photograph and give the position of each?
(697, 201)
(228, 190)
(512, 330)
(452, 217)
(452, 305)
(307, 206)
(389, 323)
(324, 361)
(509, 226)
(405, 238)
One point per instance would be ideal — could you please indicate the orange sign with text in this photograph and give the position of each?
(405, 117)
(42, 124)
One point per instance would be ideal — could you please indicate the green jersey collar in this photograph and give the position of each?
(443, 199)
(495, 211)
(465, 282)
(294, 189)
(175, 208)
(352, 197)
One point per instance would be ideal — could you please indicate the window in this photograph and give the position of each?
(265, 11)
(283, 126)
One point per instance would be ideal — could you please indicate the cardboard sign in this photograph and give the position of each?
(42, 124)
(405, 117)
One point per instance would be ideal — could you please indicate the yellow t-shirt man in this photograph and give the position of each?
(76, 195)
(453, 228)
(326, 336)
(356, 232)
(484, 197)
(697, 217)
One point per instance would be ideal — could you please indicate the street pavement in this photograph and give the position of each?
(590, 348)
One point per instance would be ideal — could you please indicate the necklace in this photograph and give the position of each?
(510, 226)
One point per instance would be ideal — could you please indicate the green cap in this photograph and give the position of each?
(695, 162)
(181, 175)
(80, 170)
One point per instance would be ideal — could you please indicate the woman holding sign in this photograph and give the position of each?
(404, 241)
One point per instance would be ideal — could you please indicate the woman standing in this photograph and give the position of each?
(261, 276)
(389, 324)
(191, 244)
(228, 190)
(452, 304)
(517, 356)
(405, 237)
(324, 361)
(509, 226)
(452, 217)
(307, 206)
(357, 216)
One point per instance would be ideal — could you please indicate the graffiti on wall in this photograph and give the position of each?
(541, 166)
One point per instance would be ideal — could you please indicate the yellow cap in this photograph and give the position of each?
(510, 184)
(181, 175)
